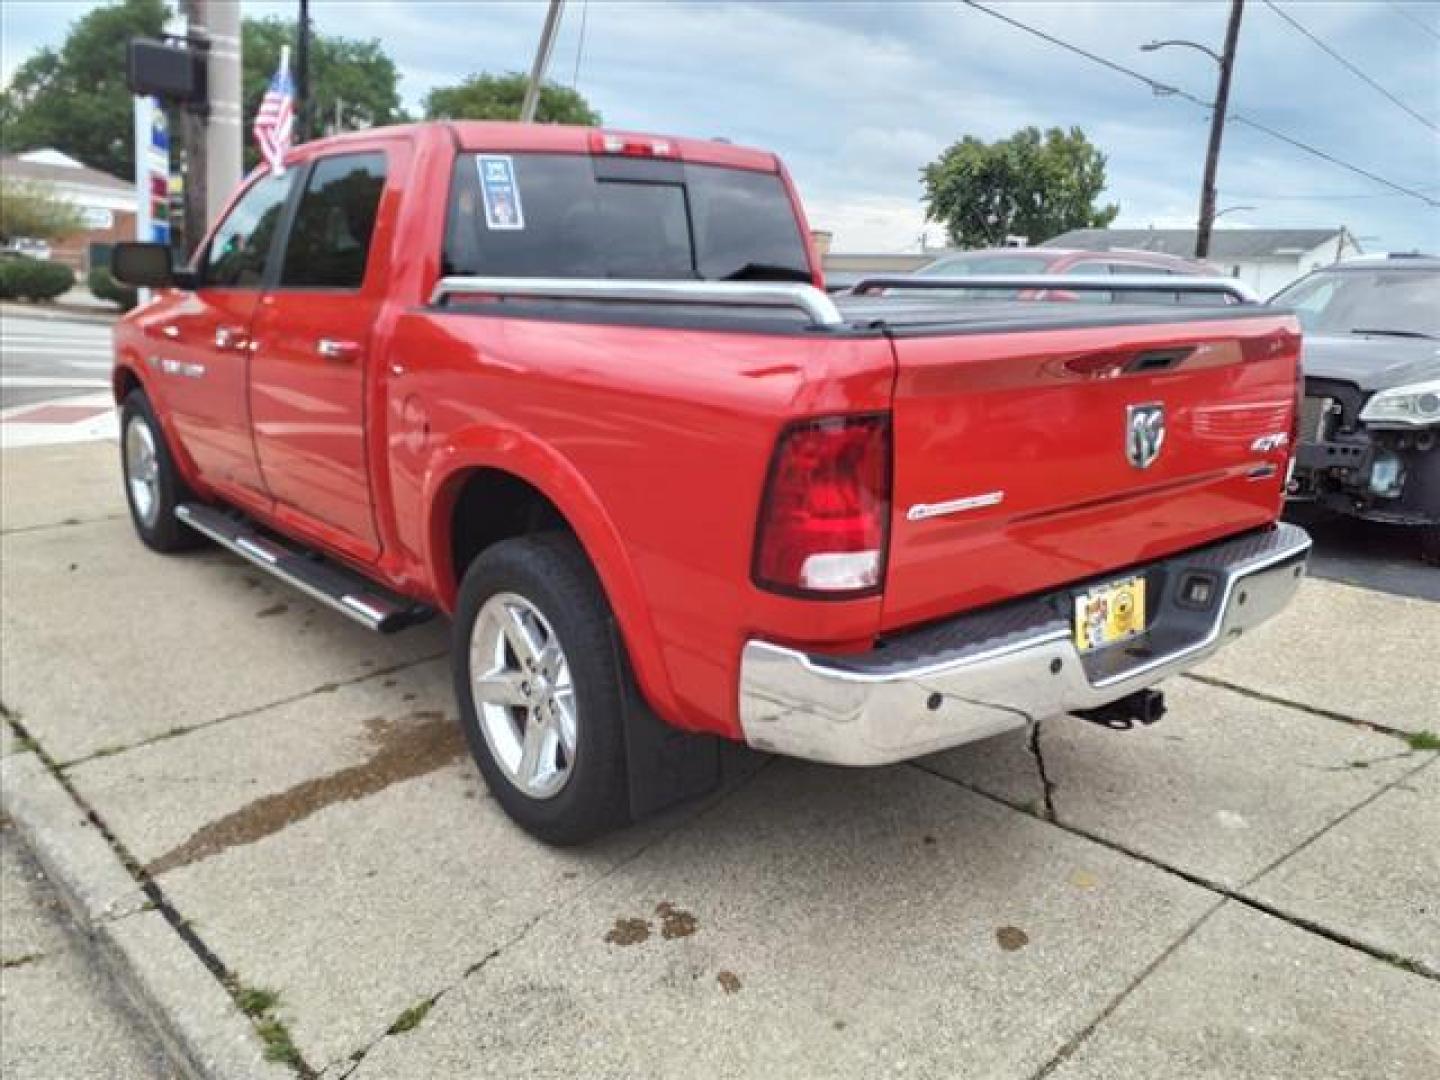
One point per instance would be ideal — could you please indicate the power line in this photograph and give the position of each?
(1351, 67)
(580, 44)
(1411, 18)
(1165, 90)
(1339, 196)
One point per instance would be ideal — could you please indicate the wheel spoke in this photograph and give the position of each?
(564, 704)
(532, 754)
(500, 688)
(524, 643)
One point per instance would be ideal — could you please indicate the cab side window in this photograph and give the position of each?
(237, 253)
(330, 240)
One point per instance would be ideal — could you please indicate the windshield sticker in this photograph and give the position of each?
(501, 195)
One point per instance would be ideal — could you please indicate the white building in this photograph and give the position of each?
(106, 203)
(1265, 259)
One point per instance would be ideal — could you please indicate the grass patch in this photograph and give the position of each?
(19, 961)
(255, 1000)
(278, 1044)
(410, 1018)
(260, 1005)
(1423, 740)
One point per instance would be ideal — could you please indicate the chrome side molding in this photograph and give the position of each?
(818, 307)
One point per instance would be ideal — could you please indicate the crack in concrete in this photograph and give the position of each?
(1079, 1039)
(1047, 786)
(67, 523)
(1409, 964)
(1313, 710)
(357, 1057)
(240, 714)
(161, 903)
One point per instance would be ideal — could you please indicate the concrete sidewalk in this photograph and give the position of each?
(281, 820)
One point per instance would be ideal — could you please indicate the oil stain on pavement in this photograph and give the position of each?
(421, 743)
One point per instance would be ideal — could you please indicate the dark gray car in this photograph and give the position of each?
(1370, 421)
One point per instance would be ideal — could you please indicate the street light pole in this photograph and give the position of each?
(1217, 130)
(542, 61)
(302, 72)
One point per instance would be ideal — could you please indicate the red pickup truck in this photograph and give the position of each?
(583, 392)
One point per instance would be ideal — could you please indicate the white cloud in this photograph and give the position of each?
(856, 96)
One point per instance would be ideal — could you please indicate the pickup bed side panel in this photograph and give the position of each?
(654, 442)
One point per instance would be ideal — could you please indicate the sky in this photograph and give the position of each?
(858, 96)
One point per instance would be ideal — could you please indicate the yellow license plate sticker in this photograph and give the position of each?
(1110, 613)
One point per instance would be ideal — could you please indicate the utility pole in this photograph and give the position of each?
(1217, 130)
(542, 61)
(302, 73)
(212, 138)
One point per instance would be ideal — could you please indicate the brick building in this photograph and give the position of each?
(106, 203)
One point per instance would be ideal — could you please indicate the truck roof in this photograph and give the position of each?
(509, 136)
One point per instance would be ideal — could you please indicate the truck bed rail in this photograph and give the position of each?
(1237, 291)
(818, 307)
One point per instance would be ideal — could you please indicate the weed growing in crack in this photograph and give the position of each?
(256, 1000)
(410, 1019)
(278, 1044)
(1423, 740)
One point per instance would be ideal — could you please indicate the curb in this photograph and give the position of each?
(197, 1022)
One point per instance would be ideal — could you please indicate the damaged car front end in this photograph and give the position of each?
(1369, 427)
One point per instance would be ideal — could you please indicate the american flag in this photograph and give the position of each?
(276, 118)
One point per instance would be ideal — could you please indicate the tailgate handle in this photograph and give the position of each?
(1159, 359)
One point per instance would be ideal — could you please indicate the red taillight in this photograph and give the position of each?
(607, 142)
(826, 511)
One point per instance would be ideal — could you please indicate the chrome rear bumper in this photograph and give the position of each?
(984, 673)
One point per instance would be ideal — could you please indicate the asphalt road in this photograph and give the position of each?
(1384, 557)
(47, 359)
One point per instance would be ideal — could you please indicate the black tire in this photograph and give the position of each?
(551, 573)
(160, 530)
(1430, 544)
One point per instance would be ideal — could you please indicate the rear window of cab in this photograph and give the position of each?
(572, 215)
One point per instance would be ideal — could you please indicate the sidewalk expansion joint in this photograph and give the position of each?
(188, 729)
(1407, 964)
(1072, 1044)
(67, 523)
(1313, 710)
(422, 1007)
(228, 980)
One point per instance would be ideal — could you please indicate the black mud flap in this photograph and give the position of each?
(665, 765)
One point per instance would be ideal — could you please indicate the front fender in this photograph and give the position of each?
(540, 465)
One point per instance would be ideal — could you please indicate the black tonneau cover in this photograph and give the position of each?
(905, 315)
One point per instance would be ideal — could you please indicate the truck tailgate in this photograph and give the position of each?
(1023, 458)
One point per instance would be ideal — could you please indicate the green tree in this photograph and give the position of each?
(498, 97)
(75, 98)
(33, 210)
(346, 73)
(1030, 185)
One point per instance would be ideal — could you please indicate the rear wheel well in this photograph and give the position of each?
(491, 506)
(125, 382)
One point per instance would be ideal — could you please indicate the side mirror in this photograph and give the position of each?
(147, 266)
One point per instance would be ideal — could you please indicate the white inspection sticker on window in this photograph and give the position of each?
(500, 193)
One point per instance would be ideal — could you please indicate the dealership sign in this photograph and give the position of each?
(152, 172)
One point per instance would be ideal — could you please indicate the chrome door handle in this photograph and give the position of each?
(341, 351)
(229, 337)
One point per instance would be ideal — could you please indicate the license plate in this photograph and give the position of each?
(1110, 613)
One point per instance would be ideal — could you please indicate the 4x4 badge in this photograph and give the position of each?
(1144, 433)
